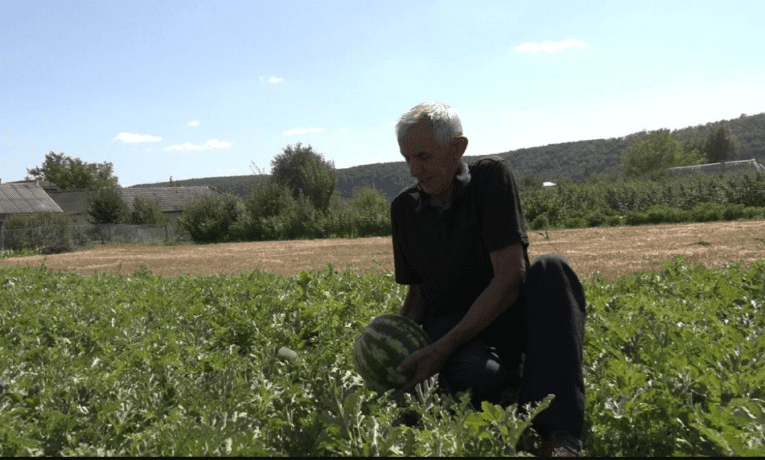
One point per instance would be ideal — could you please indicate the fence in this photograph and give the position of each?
(61, 238)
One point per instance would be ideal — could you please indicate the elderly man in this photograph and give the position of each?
(460, 243)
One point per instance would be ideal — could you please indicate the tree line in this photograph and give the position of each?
(299, 200)
(302, 197)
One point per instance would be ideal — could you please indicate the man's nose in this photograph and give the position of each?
(415, 167)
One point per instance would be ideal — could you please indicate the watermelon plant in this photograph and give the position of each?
(259, 364)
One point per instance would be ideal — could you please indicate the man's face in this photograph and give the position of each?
(433, 166)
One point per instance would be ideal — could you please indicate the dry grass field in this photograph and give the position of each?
(610, 252)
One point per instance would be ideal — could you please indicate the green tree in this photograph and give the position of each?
(146, 211)
(371, 212)
(720, 145)
(210, 219)
(529, 180)
(656, 152)
(306, 173)
(269, 199)
(107, 206)
(73, 173)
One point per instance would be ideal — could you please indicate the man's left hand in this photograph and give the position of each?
(425, 362)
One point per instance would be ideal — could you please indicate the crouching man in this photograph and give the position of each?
(460, 243)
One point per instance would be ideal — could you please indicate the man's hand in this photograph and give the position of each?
(425, 362)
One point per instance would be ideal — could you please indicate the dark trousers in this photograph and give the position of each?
(546, 324)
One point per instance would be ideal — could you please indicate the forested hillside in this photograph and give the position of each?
(552, 162)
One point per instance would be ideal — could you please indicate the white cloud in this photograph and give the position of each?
(132, 138)
(343, 129)
(296, 131)
(193, 123)
(272, 80)
(550, 46)
(209, 145)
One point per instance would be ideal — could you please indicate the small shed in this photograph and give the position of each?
(24, 198)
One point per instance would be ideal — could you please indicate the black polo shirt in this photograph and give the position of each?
(446, 248)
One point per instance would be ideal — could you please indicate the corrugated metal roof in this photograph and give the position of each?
(25, 198)
(728, 166)
(171, 199)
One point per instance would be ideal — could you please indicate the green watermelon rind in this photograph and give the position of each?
(391, 339)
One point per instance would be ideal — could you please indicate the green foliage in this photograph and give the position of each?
(655, 153)
(146, 211)
(107, 206)
(371, 212)
(73, 173)
(720, 145)
(255, 364)
(674, 362)
(530, 181)
(8, 253)
(273, 213)
(320, 180)
(47, 230)
(269, 199)
(305, 172)
(613, 200)
(213, 218)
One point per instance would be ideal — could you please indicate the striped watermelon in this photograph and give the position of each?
(383, 345)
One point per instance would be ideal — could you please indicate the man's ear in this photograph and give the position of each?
(459, 144)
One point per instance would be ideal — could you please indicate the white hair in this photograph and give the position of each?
(445, 121)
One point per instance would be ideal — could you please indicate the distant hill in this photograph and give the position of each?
(550, 163)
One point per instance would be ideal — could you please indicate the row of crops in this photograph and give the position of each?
(612, 200)
(144, 365)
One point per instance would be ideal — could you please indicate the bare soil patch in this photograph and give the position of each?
(610, 252)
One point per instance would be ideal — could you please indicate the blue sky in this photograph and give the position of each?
(205, 88)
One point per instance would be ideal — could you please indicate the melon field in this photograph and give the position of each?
(140, 364)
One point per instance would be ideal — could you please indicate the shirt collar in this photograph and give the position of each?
(461, 182)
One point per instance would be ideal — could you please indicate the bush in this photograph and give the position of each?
(306, 173)
(541, 222)
(614, 221)
(747, 189)
(48, 230)
(664, 214)
(107, 206)
(212, 219)
(708, 212)
(636, 218)
(371, 212)
(304, 221)
(146, 211)
(596, 218)
(337, 222)
(575, 222)
(537, 202)
(268, 199)
(271, 210)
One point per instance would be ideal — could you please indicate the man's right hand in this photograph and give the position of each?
(414, 304)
